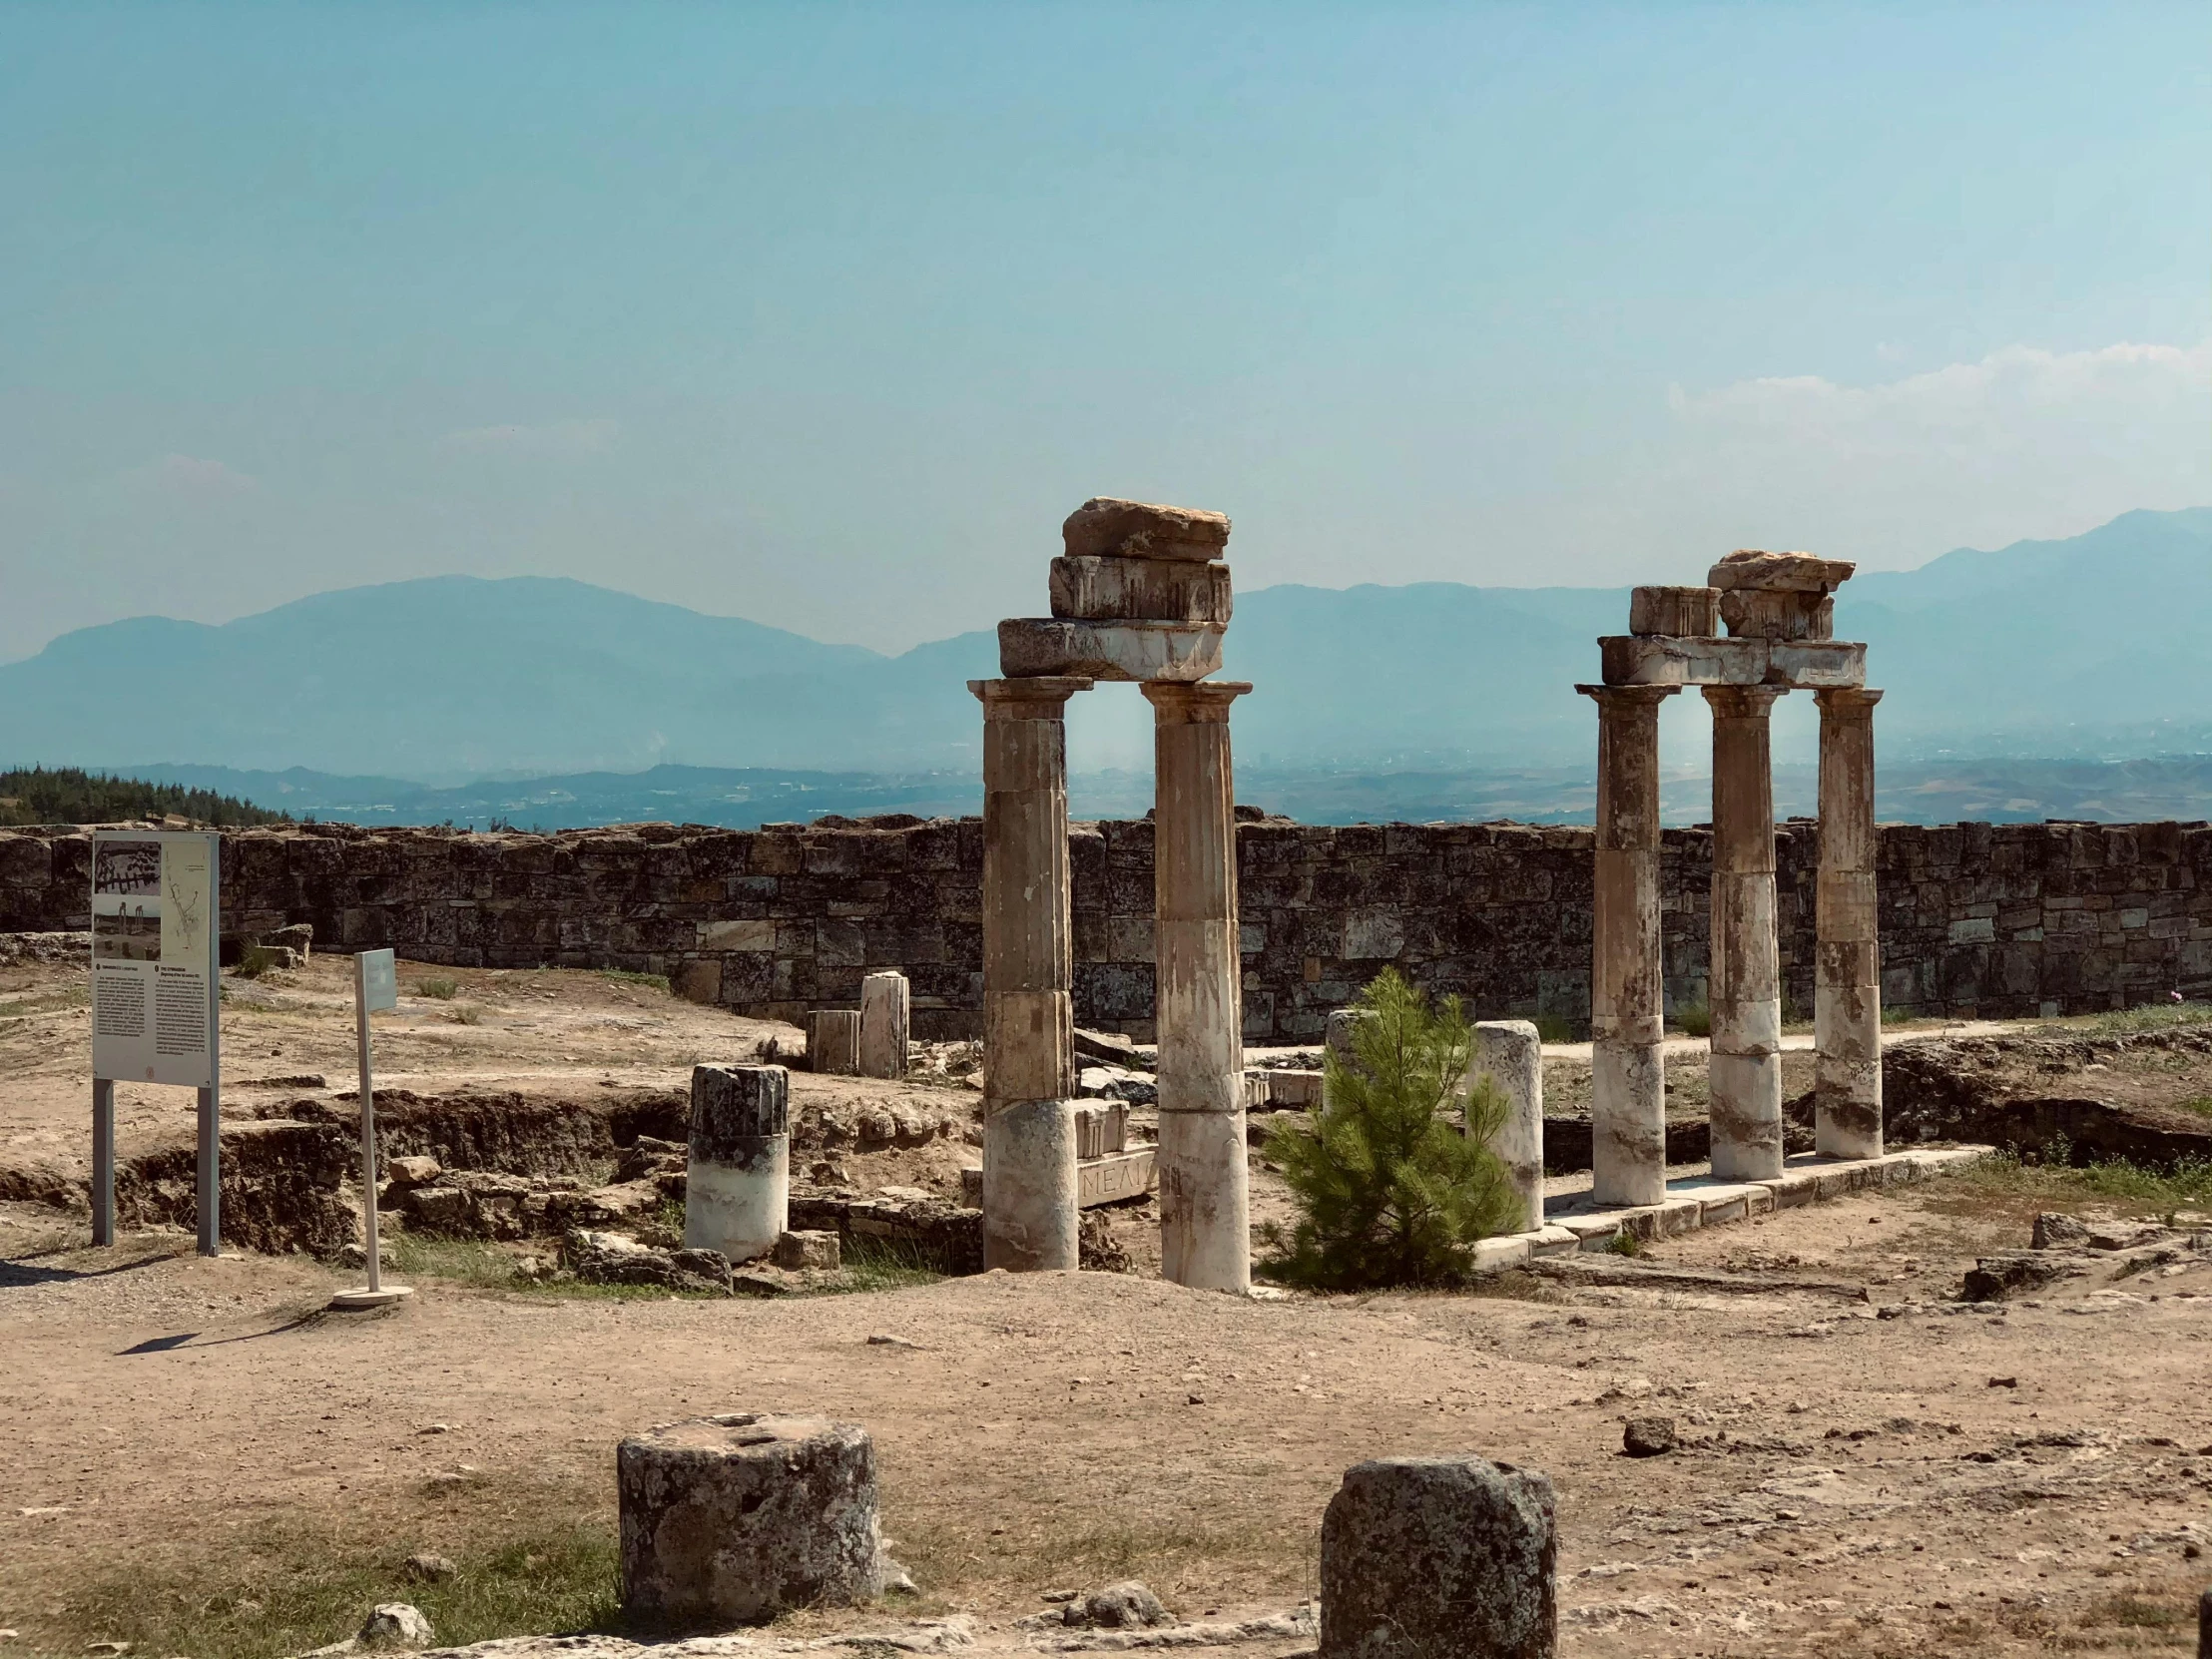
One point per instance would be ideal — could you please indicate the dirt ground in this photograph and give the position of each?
(1869, 1469)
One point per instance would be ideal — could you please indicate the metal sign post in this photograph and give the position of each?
(156, 997)
(376, 987)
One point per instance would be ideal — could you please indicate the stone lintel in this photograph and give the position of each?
(1058, 646)
(1655, 659)
(1144, 530)
(1192, 702)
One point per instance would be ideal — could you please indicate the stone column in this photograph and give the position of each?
(737, 1177)
(1205, 1233)
(1744, 984)
(1029, 1209)
(1510, 1054)
(884, 1019)
(1847, 984)
(1628, 1101)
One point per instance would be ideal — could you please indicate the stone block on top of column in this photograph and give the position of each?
(1101, 587)
(1691, 613)
(1110, 525)
(1062, 647)
(1654, 660)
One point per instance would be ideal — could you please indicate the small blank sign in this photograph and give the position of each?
(380, 979)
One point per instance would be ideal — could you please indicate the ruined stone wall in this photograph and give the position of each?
(1975, 919)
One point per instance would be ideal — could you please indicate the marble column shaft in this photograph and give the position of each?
(1847, 984)
(1205, 1234)
(1029, 1209)
(1744, 984)
(1628, 1105)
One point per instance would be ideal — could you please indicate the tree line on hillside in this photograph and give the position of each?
(69, 795)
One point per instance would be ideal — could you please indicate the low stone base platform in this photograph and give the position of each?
(1696, 1201)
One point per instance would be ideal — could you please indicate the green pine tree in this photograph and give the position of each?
(1389, 1191)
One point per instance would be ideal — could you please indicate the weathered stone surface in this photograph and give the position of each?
(1781, 572)
(1691, 612)
(883, 1022)
(1058, 648)
(733, 1519)
(1509, 1054)
(1637, 660)
(1773, 614)
(1438, 1558)
(395, 1624)
(1129, 1605)
(1107, 524)
(798, 1251)
(614, 1259)
(1648, 1437)
(2060, 1232)
(833, 1041)
(1994, 1278)
(1141, 590)
(733, 1106)
(401, 1174)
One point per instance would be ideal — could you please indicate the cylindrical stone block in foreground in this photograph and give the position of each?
(1512, 1055)
(1205, 1226)
(1744, 989)
(1438, 1558)
(733, 1519)
(833, 1042)
(883, 1004)
(1847, 972)
(1030, 1209)
(1030, 1219)
(737, 1193)
(1628, 1098)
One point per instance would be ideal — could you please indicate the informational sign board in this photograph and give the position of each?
(379, 981)
(154, 973)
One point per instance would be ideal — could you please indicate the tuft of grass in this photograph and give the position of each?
(2132, 1612)
(294, 1590)
(2186, 1185)
(2202, 1105)
(2157, 1016)
(439, 990)
(1624, 1244)
(1696, 1019)
(623, 976)
(466, 1013)
(884, 1264)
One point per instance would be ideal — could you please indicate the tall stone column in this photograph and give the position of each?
(1205, 1234)
(1847, 984)
(1030, 1209)
(1628, 1101)
(1744, 988)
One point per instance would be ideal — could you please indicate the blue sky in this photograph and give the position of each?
(825, 315)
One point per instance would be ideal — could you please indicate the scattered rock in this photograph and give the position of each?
(2004, 1381)
(395, 1624)
(402, 1174)
(1994, 1278)
(107, 1647)
(2056, 1231)
(356, 1256)
(1648, 1437)
(1129, 1605)
(882, 1341)
(429, 1568)
(611, 1258)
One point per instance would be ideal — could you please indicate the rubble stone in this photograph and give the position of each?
(1780, 572)
(1143, 530)
(796, 1252)
(1648, 1437)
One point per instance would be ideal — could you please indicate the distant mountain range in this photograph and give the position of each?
(2087, 649)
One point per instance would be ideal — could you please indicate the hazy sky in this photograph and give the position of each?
(826, 314)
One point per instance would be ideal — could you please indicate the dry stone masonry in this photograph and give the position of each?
(1778, 609)
(1137, 595)
(1996, 920)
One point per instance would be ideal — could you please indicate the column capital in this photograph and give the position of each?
(1847, 698)
(1743, 702)
(1041, 698)
(1192, 701)
(1627, 697)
